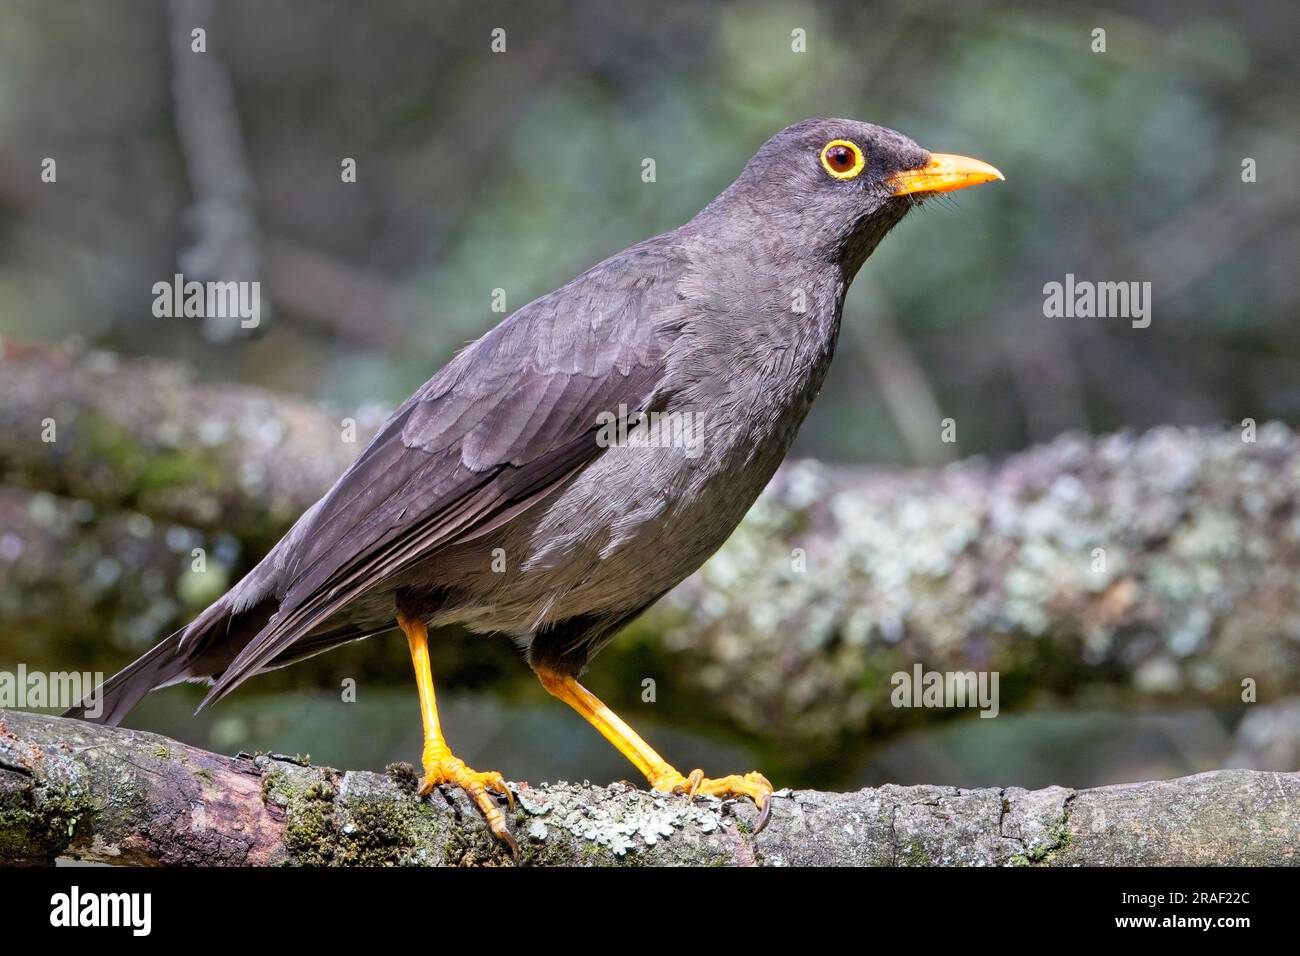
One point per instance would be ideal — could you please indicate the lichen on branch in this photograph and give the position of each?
(84, 791)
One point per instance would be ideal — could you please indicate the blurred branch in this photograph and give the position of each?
(908, 394)
(207, 122)
(1046, 378)
(147, 436)
(342, 299)
(80, 790)
(360, 305)
(1162, 564)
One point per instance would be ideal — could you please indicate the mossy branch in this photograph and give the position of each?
(147, 435)
(75, 789)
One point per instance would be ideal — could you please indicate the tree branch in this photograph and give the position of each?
(223, 218)
(74, 789)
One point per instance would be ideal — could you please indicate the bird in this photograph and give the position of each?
(580, 459)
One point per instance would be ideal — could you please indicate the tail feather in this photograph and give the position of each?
(111, 701)
(199, 651)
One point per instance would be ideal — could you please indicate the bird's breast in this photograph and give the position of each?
(663, 496)
(655, 504)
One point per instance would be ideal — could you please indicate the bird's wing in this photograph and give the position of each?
(503, 424)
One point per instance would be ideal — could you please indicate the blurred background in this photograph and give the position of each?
(517, 170)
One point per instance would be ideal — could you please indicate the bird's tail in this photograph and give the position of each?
(199, 651)
(110, 701)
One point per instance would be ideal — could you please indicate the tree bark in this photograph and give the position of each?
(80, 790)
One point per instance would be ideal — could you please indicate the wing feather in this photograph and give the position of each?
(506, 422)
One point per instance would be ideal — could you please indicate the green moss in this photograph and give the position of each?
(310, 832)
(43, 828)
(320, 790)
(147, 469)
(364, 823)
(377, 834)
(1060, 838)
(404, 775)
(915, 854)
(549, 852)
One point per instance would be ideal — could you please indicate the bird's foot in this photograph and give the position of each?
(443, 767)
(753, 785)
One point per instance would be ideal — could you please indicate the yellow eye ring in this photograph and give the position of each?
(843, 159)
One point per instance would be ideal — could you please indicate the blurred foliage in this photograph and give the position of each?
(517, 170)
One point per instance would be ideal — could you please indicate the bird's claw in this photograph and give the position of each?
(753, 785)
(440, 769)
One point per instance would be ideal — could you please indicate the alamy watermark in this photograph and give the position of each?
(24, 689)
(922, 688)
(209, 300)
(1083, 299)
(133, 911)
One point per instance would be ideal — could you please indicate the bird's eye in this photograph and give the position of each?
(843, 159)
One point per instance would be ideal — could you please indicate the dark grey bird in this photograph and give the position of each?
(568, 468)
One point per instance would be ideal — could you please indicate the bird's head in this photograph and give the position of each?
(834, 187)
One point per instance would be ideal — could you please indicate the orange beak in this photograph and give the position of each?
(942, 174)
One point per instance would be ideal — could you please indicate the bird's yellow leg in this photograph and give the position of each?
(661, 774)
(440, 764)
